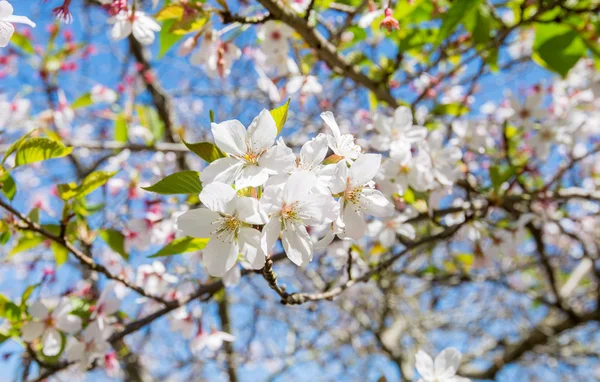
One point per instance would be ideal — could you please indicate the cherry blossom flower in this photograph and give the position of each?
(402, 170)
(290, 208)
(101, 93)
(443, 369)
(528, 112)
(443, 158)
(211, 341)
(184, 321)
(215, 55)
(386, 230)
(127, 22)
(62, 12)
(252, 156)
(226, 221)
(92, 346)
(398, 132)
(107, 305)
(154, 278)
(47, 323)
(6, 20)
(342, 145)
(359, 195)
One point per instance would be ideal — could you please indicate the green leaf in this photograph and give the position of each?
(8, 185)
(184, 182)
(22, 42)
(181, 245)
(280, 115)
(121, 128)
(27, 293)
(93, 181)
(458, 11)
(211, 115)
(166, 38)
(454, 109)
(25, 243)
(558, 47)
(66, 190)
(149, 118)
(500, 174)
(83, 101)
(40, 149)
(15, 145)
(115, 240)
(9, 310)
(61, 254)
(205, 150)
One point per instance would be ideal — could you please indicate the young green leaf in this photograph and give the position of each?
(280, 115)
(83, 101)
(181, 245)
(205, 150)
(184, 182)
(115, 240)
(40, 149)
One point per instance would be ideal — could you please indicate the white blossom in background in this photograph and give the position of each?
(92, 346)
(443, 369)
(215, 55)
(528, 112)
(397, 133)
(47, 323)
(142, 26)
(6, 20)
(444, 158)
(227, 221)
(211, 341)
(252, 156)
(154, 278)
(386, 230)
(475, 136)
(290, 208)
(14, 114)
(101, 93)
(403, 170)
(108, 304)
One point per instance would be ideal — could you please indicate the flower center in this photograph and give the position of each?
(228, 227)
(352, 194)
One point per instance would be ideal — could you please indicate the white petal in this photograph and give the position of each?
(219, 256)
(338, 183)
(32, 330)
(219, 197)
(230, 136)
(224, 170)
(278, 159)
(298, 186)
(143, 34)
(120, 30)
(51, 341)
(270, 234)
(248, 211)
(403, 118)
(272, 199)
(6, 32)
(415, 134)
(318, 209)
(197, 223)
(252, 176)
(447, 363)
(407, 230)
(38, 310)
(387, 238)
(330, 121)
(355, 226)
(69, 323)
(297, 244)
(250, 247)
(262, 132)
(375, 203)
(364, 169)
(5, 9)
(19, 20)
(424, 365)
(313, 152)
